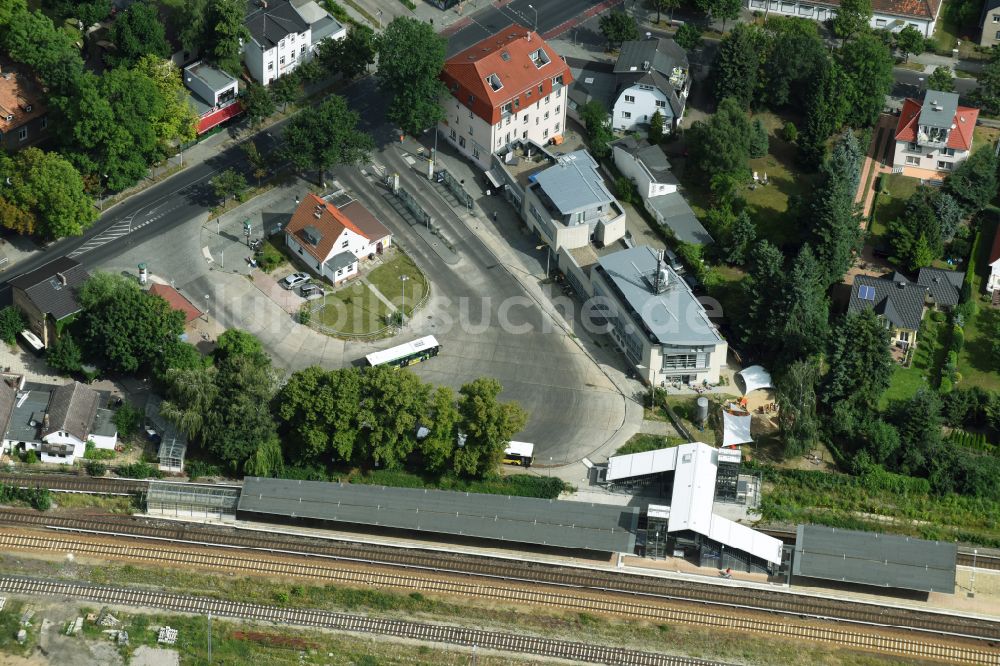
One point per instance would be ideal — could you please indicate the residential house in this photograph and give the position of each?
(933, 136)
(989, 23)
(648, 167)
(891, 15)
(284, 33)
(650, 75)
(213, 95)
(993, 283)
(901, 303)
(569, 206)
(655, 319)
(508, 87)
(332, 239)
(24, 117)
(177, 301)
(56, 422)
(47, 295)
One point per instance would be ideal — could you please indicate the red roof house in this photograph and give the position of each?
(933, 135)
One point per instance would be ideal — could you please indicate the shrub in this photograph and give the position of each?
(11, 323)
(127, 419)
(937, 316)
(305, 314)
(30, 457)
(95, 468)
(946, 385)
(199, 468)
(139, 470)
(790, 132)
(957, 339)
(625, 189)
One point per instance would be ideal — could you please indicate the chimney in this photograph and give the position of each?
(62, 278)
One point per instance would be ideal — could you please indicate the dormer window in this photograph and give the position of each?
(540, 58)
(494, 82)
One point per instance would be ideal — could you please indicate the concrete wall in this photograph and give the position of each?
(104, 442)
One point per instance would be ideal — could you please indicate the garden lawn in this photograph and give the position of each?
(928, 358)
(387, 279)
(353, 310)
(890, 205)
(977, 362)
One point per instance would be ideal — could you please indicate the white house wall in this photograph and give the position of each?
(104, 441)
(632, 167)
(820, 13)
(319, 267)
(265, 66)
(641, 110)
(927, 158)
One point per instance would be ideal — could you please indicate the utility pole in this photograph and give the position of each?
(210, 637)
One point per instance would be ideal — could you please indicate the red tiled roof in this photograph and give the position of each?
(326, 218)
(960, 138)
(995, 252)
(369, 225)
(218, 116)
(177, 301)
(18, 91)
(508, 55)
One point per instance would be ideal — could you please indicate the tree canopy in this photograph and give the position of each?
(853, 17)
(45, 197)
(738, 64)
(720, 146)
(324, 136)
(352, 55)
(859, 361)
(832, 218)
(867, 64)
(137, 32)
(618, 27)
(411, 56)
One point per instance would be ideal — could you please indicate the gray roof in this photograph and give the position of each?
(269, 25)
(652, 158)
(593, 81)
(871, 558)
(212, 77)
(44, 286)
(678, 216)
(340, 260)
(657, 53)
(8, 398)
(573, 183)
(938, 109)
(173, 443)
(199, 107)
(325, 27)
(674, 317)
(104, 424)
(944, 286)
(897, 299)
(30, 406)
(556, 523)
(72, 408)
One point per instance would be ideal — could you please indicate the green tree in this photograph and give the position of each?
(941, 79)
(125, 326)
(240, 420)
(825, 113)
(721, 145)
(48, 195)
(350, 56)
(598, 124)
(190, 18)
(137, 32)
(688, 36)
(860, 363)
(987, 93)
(727, 10)
(30, 37)
(916, 236)
(664, 5)
(795, 393)
(617, 28)
(258, 163)
(266, 460)
(804, 311)
(949, 214)
(794, 53)
(177, 124)
(738, 63)
(488, 425)
(285, 90)
(65, 355)
(441, 421)
(190, 396)
(918, 421)
(15, 218)
(393, 405)
(178, 355)
(226, 33)
(833, 217)
(229, 183)
(257, 103)
(758, 140)
(325, 136)
(867, 64)
(655, 134)
(742, 236)
(87, 12)
(760, 290)
(317, 410)
(853, 16)
(910, 40)
(235, 343)
(12, 322)
(974, 183)
(411, 56)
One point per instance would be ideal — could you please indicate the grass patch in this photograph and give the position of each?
(806, 496)
(387, 278)
(107, 503)
(976, 362)
(353, 310)
(915, 66)
(10, 624)
(520, 485)
(271, 256)
(925, 369)
(890, 204)
(641, 442)
(983, 136)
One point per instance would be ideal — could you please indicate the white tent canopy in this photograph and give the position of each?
(755, 377)
(735, 429)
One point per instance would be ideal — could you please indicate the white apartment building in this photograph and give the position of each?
(284, 33)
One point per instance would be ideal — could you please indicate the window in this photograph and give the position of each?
(557, 127)
(680, 362)
(558, 108)
(470, 113)
(281, 43)
(880, 23)
(461, 142)
(545, 134)
(340, 271)
(913, 148)
(507, 108)
(904, 336)
(22, 133)
(302, 51)
(345, 244)
(45, 122)
(527, 94)
(626, 114)
(524, 134)
(541, 88)
(547, 98)
(508, 121)
(996, 18)
(452, 134)
(546, 115)
(526, 119)
(282, 61)
(507, 138)
(517, 102)
(270, 66)
(300, 250)
(945, 166)
(292, 54)
(292, 38)
(660, 104)
(998, 34)
(948, 152)
(912, 160)
(537, 120)
(629, 99)
(470, 130)
(475, 152)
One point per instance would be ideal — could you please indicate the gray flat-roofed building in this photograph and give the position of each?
(561, 524)
(871, 558)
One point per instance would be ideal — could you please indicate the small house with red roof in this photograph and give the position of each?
(177, 301)
(509, 87)
(331, 237)
(933, 136)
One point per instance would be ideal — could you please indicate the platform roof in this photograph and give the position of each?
(555, 523)
(871, 558)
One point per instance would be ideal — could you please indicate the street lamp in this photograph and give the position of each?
(547, 257)
(206, 308)
(532, 8)
(403, 279)
(378, 13)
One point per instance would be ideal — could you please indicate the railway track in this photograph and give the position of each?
(491, 568)
(69, 483)
(493, 640)
(869, 638)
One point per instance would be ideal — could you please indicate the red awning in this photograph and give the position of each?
(219, 116)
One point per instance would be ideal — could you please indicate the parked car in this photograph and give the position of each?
(311, 291)
(294, 280)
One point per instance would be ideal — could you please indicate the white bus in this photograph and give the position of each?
(518, 453)
(406, 354)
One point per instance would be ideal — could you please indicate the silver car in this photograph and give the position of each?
(294, 280)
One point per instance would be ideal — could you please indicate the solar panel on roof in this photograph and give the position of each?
(866, 293)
